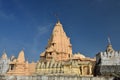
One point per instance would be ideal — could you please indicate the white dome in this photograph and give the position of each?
(79, 55)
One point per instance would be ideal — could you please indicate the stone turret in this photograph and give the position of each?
(59, 46)
(21, 67)
(109, 48)
(4, 63)
(108, 62)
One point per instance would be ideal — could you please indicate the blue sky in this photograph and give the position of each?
(27, 24)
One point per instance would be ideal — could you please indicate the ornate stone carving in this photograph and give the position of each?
(59, 46)
(58, 57)
(21, 67)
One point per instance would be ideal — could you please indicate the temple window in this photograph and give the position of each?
(110, 56)
(50, 53)
(57, 53)
(69, 55)
(53, 44)
(12, 66)
(99, 61)
(56, 30)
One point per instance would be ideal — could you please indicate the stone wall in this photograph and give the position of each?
(107, 58)
(108, 70)
(54, 78)
(4, 65)
(107, 64)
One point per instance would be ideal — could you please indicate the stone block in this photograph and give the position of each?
(85, 78)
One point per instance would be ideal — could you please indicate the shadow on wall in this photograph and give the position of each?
(116, 78)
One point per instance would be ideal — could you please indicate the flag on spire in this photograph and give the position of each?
(109, 40)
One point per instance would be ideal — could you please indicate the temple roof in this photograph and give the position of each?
(42, 54)
(59, 40)
(79, 55)
(4, 55)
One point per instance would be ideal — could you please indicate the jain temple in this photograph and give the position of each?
(57, 62)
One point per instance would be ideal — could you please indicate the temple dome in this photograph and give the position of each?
(78, 55)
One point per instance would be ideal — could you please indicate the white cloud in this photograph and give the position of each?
(6, 16)
(44, 29)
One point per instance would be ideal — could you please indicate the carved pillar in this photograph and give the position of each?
(10, 68)
(82, 70)
(90, 69)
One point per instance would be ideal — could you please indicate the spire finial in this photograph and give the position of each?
(4, 50)
(56, 15)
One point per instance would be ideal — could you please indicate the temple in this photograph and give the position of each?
(75, 66)
(21, 67)
(59, 46)
(4, 63)
(108, 62)
(58, 58)
(58, 62)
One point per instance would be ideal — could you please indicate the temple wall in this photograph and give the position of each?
(108, 64)
(53, 78)
(32, 67)
(108, 58)
(4, 65)
(108, 70)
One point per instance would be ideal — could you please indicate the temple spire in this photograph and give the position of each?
(109, 46)
(4, 55)
(59, 46)
(21, 57)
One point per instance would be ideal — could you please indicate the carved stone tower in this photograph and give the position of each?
(59, 46)
(108, 62)
(4, 63)
(21, 67)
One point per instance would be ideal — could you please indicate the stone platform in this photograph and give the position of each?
(55, 77)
